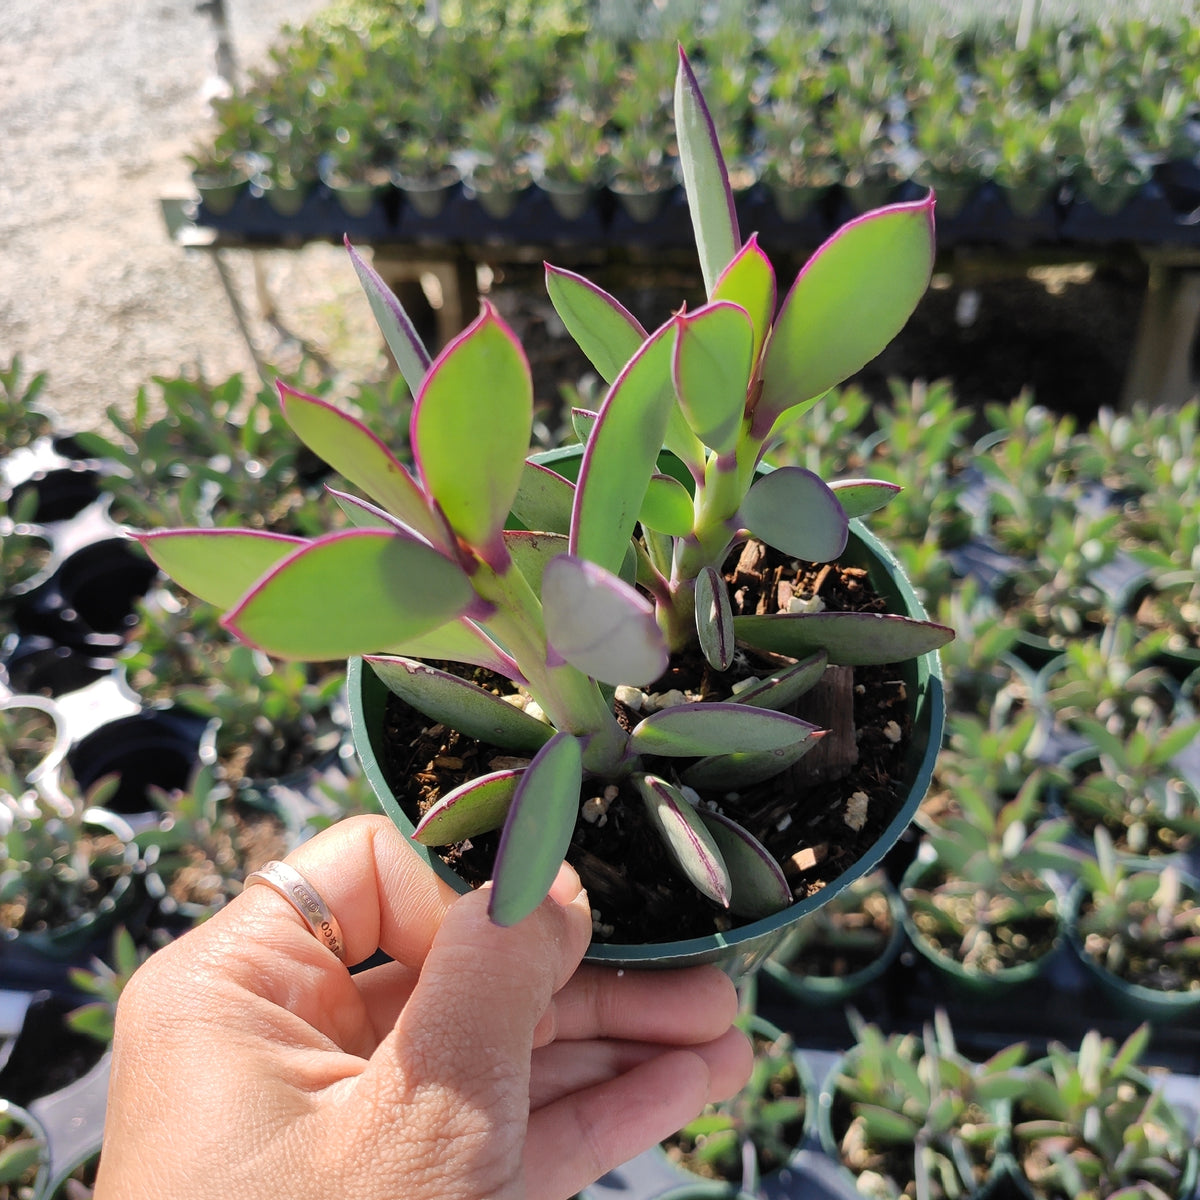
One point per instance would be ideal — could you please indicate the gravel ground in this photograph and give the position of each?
(99, 103)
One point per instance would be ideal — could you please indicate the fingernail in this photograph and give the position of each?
(566, 886)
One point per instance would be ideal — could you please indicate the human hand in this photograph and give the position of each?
(482, 1062)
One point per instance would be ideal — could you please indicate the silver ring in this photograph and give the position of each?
(302, 896)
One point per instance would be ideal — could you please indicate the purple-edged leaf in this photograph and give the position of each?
(218, 565)
(850, 639)
(705, 179)
(851, 298)
(759, 886)
(795, 511)
(622, 453)
(686, 837)
(714, 618)
(687, 730)
(532, 551)
(861, 496)
(470, 429)
(538, 830)
(460, 704)
(749, 282)
(781, 687)
(600, 624)
(362, 514)
(667, 506)
(403, 340)
(350, 593)
(582, 420)
(477, 806)
(742, 769)
(714, 355)
(602, 327)
(352, 450)
(459, 641)
(544, 499)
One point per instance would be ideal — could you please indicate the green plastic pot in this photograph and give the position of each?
(1133, 1000)
(744, 948)
(962, 980)
(825, 990)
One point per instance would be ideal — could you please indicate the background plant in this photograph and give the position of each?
(1090, 1123)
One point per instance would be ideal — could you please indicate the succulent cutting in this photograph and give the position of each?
(579, 581)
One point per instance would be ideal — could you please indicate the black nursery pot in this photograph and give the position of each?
(157, 747)
(744, 948)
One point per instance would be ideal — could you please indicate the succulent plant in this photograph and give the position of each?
(104, 980)
(985, 898)
(24, 1153)
(1140, 925)
(912, 1116)
(57, 867)
(1089, 1123)
(608, 575)
(757, 1130)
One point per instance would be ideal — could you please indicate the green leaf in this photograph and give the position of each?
(848, 302)
(218, 565)
(602, 328)
(795, 511)
(532, 551)
(459, 641)
(714, 619)
(781, 687)
(884, 1127)
(350, 593)
(730, 772)
(714, 355)
(352, 450)
(861, 496)
(705, 180)
(758, 887)
(476, 807)
(850, 639)
(18, 1158)
(687, 838)
(461, 704)
(700, 729)
(582, 421)
(749, 282)
(402, 338)
(600, 624)
(622, 453)
(470, 429)
(543, 500)
(667, 506)
(538, 830)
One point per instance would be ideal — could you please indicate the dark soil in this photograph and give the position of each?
(816, 831)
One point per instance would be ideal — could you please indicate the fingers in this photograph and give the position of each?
(566, 1067)
(576, 1139)
(673, 1007)
(381, 893)
(489, 985)
(459, 1056)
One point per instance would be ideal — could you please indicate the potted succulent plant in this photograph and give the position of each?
(1138, 931)
(836, 951)
(1090, 1122)
(980, 902)
(909, 1115)
(756, 1133)
(24, 1154)
(572, 624)
(64, 877)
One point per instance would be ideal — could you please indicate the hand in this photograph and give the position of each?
(482, 1062)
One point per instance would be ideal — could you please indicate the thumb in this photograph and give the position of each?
(458, 1059)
